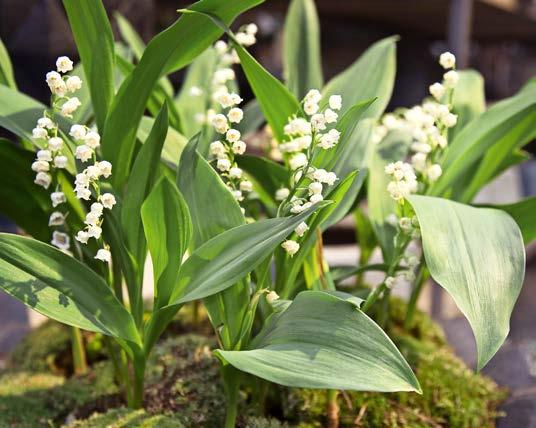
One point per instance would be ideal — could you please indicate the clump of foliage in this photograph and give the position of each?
(122, 417)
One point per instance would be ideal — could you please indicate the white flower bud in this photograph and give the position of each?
(245, 39)
(60, 240)
(235, 172)
(235, 115)
(447, 60)
(232, 135)
(43, 179)
(217, 148)
(219, 121)
(315, 188)
(57, 198)
(390, 282)
(56, 219)
(223, 164)
(78, 132)
(60, 162)
(437, 90)
(239, 147)
(314, 199)
(220, 46)
(331, 116)
(291, 247)
(434, 172)
(272, 296)
(82, 193)
(92, 218)
(237, 194)
(449, 120)
(301, 229)
(92, 139)
(55, 144)
(405, 223)
(310, 108)
(64, 64)
(330, 178)
(252, 29)
(82, 236)
(107, 200)
(40, 166)
(335, 102)
(297, 161)
(70, 106)
(195, 91)
(53, 78)
(246, 186)
(318, 122)
(313, 96)
(73, 83)
(39, 134)
(281, 194)
(45, 122)
(83, 153)
(104, 255)
(94, 231)
(97, 208)
(451, 78)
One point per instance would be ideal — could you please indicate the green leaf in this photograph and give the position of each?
(169, 51)
(7, 77)
(324, 341)
(173, 144)
(275, 100)
(25, 203)
(168, 229)
(482, 134)
(140, 184)
(225, 259)
(380, 204)
(95, 42)
(62, 288)
(372, 75)
(19, 112)
(523, 214)
(200, 74)
(468, 99)
(301, 48)
(477, 255)
(202, 188)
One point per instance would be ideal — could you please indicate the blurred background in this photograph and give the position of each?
(495, 37)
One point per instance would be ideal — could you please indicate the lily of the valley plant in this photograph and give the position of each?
(116, 170)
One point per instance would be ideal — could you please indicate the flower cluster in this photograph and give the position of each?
(224, 76)
(428, 125)
(304, 137)
(52, 156)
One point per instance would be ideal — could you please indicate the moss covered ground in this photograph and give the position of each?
(184, 389)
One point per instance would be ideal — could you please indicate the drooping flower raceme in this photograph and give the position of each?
(305, 136)
(53, 156)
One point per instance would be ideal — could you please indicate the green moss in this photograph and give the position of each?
(30, 400)
(453, 395)
(122, 418)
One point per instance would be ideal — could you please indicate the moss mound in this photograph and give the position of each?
(30, 400)
(184, 389)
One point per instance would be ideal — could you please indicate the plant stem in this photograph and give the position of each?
(231, 384)
(137, 386)
(422, 276)
(333, 409)
(78, 350)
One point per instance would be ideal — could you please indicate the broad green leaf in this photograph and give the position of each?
(225, 259)
(301, 48)
(169, 51)
(202, 188)
(324, 341)
(275, 100)
(469, 100)
(372, 75)
(136, 44)
(493, 161)
(168, 229)
(95, 42)
(62, 288)
(173, 144)
(523, 212)
(19, 112)
(140, 183)
(380, 204)
(477, 255)
(7, 77)
(199, 75)
(24, 202)
(482, 134)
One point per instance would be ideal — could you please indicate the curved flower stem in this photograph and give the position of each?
(422, 276)
(231, 384)
(79, 352)
(332, 409)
